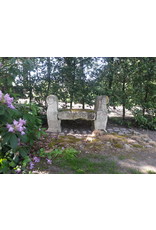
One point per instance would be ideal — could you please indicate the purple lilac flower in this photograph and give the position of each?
(8, 126)
(36, 159)
(15, 122)
(11, 106)
(22, 121)
(31, 165)
(22, 133)
(11, 130)
(49, 161)
(17, 126)
(6, 99)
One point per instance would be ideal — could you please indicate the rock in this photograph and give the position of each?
(65, 131)
(123, 129)
(127, 147)
(146, 139)
(126, 132)
(110, 130)
(71, 131)
(61, 134)
(84, 132)
(152, 143)
(131, 141)
(148, 146)
(116, 130)
(136, 133)
(77, 132)
(120, 133)
(98, 132)
(108, 143)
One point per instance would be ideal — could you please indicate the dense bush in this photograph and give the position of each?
(146, 121)
(19, 128)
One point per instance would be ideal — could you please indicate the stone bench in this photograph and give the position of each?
(99, 115)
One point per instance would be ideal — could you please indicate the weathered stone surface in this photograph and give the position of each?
(127, 147)
(101, 121)
(101, 115)
(73, 115)
(101, 102)
(148, 146)
(54, 116)
(54, 125)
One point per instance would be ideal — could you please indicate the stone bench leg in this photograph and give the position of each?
(101, 121)
(54, 125)
(101, 113)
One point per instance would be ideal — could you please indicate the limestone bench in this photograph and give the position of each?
(99, 115)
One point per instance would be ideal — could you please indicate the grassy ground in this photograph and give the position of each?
(106, 154)
(92, 164)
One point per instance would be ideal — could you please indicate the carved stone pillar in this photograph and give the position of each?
(54, 125)
(101, 113)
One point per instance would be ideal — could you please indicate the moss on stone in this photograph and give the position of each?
(118, 145)
(63, 140)
(137, 146)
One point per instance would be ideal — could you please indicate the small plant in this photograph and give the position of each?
(70, 153)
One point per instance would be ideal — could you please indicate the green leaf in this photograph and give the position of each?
(23, 152)
(2, 110)
(26, 161)
(24, 138)
(6, 138)
(12, 164)
(13, 141)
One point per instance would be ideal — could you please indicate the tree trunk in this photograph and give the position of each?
(83, 103)
(123, 112)
(71, 102)
(30, 88)
(123, 99)
(48, 74)
(111, 77)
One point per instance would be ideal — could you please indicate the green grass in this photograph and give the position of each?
(122, 157)
(89, 164)
(72, 161)
(134, 171)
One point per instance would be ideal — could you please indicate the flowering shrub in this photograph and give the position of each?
(19, 127)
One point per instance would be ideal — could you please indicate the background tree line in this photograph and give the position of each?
(130, 82)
